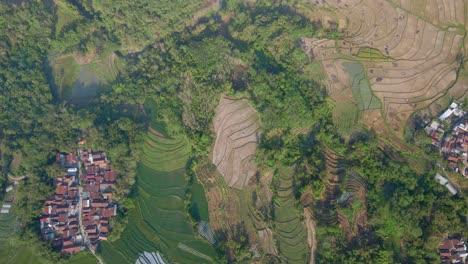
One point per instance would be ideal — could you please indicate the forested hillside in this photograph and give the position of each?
(218, 115)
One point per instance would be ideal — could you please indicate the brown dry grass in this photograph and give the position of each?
(230, 208)
(237, 127)
(267, 242)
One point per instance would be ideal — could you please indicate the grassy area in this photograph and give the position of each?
(66, 14)
(7, 225)
(65, 71)
(371, 54)
(345, 117)
(75, 81)
(290, 231)
(360, 86)
(199, 205)
(84, 257)
(13, 251)
(19, 253)
(160, 222)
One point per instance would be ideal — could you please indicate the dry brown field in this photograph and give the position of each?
(237, 129)
(411, 51)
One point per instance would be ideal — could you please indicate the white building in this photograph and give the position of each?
(446, 114)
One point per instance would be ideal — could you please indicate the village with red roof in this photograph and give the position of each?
(449, 133)
(77, 215)
(453, 250)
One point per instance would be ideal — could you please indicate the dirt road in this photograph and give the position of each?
(311, 239)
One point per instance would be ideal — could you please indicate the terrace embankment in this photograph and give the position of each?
(160, 222)
(291, 235)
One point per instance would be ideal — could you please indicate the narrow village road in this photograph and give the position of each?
(15, 179)
(80, 209)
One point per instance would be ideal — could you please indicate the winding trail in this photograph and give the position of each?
(311, 234)
(15, 179)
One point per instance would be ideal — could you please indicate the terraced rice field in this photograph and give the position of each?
(232, 210)
(12, 250)
(150, 258)
(409, 50)
(373, 55)
(290, 234)
(267, 241)
(345, 116)
(237, 127)
(199, 206)
(160, 222)
(7, 225)
(80, 77)
(223, 203)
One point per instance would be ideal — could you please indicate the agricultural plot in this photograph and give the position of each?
(79, 77)
(345, 117)
(232, 210)
(410, 52)
(360, 86)
(267, 241)
(290, 232)
(160, 221)
(7, 225)
(237, 127)
(199, 206)
(12, 250)
(204, 230)
(150, 258)
(20, 253)
(373, 55)
(223, 203)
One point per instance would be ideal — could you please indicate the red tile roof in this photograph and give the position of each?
(71, 249)
(107, 212)
(110, 175)
(61, 189)
(63, 217)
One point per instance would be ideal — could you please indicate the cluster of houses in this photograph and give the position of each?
(78, 213)
(453, 250)
(98, 181)
(455, 148)
(453, 144)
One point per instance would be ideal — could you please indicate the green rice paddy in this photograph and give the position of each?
(199, 206)
(160, 222)
(74, 81)
(345, 117)
(84, 257)
(12, 250)
(371, 54)
(290, 231)
(360, 86)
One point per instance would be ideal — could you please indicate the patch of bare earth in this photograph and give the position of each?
(267, 242)
(237, 129)
(311, 234)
